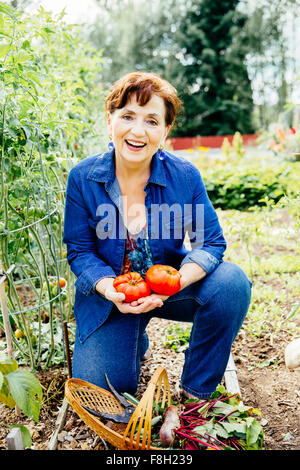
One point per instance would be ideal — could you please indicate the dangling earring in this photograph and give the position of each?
(161, 153)
(110, 144)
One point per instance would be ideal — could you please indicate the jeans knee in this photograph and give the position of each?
(121, 380)
(125, 383)
(122, 373)
(234, 281)
(232, 292)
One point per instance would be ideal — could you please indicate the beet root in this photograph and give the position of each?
(171, 422)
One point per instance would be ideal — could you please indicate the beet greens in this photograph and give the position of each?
(221, 423)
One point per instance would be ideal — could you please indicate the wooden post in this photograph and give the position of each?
(14, 440)
(60, 421)
(230, 376)
(5, 316)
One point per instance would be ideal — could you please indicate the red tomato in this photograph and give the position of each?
(132, 285)
(162, 279)
(62, 282)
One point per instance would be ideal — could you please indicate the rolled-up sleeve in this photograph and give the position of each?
(80, 240)
(206, 236)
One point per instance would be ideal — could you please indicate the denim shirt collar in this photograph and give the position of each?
(104, 170)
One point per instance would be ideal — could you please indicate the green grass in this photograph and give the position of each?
(265, 244)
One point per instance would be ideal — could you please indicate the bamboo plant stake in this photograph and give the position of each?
(7, 329)
(5, 315)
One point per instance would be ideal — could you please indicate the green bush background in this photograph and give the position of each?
(244, 185)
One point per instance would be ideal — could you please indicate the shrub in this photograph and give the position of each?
(246, 185)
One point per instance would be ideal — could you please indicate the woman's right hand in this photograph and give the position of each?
(106, 288)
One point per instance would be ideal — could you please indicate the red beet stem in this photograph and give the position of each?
(192, 438)
(192, 424)
(223, 417)
(217, 440)
(212, 403)
(192, 407)
(236, 444)
(198, 405)
(191, 446)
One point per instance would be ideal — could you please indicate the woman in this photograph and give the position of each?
(131, 207)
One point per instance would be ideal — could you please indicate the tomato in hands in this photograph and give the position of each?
(163, 279)
(132, 285)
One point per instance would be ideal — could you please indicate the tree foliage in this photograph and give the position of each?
(271, 58)
(197, 46)
(224, 57)
(215, 86)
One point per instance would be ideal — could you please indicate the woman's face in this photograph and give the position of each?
(138, 131)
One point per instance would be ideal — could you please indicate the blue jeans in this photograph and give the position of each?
(216, 306)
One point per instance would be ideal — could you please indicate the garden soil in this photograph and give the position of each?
(265, 383)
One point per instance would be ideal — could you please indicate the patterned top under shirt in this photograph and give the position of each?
(137, 256)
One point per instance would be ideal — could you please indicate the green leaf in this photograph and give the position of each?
(220, 388)
(8, 11)
(254, 431)
(235, 401)
(207, 428)
(213, 429)
(293, 311)
(26, 44)
(235, 429)
(5, 35)
(4, 48)
(26, 391)
(7, 365)
(220, 431)
(222, 408)
(5, 396)
(48, 30)
(26, 437)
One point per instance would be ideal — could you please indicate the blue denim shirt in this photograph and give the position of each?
(176, 202)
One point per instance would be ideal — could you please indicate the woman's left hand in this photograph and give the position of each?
(184, 281)
(157, 298)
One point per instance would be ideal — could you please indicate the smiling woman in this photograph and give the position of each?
(137, 131)
(135, 178)
(141, 109)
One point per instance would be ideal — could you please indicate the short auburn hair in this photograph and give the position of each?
(144, 85)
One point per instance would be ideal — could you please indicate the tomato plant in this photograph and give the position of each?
(20, 388)
(47, 105)
(132, 285)
(163, 279)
